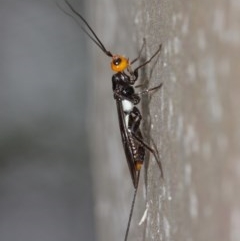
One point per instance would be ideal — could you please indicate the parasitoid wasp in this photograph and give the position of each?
(129, 115)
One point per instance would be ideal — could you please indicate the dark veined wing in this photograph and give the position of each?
(126, 142)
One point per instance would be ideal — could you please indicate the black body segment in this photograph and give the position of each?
(127, 143)
(129, 123)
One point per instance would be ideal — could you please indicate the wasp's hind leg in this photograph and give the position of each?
(151, 150)
(135, 118)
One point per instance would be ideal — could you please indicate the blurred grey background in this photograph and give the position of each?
(45, 179)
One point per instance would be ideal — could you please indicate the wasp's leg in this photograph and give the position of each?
(150, 149)
(135, 118)
(135, 72)
(135, 99)
(146, 91)
(140, 52)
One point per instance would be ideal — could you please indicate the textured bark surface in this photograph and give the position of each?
(193, 120)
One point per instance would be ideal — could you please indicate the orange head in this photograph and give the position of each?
(119, 63)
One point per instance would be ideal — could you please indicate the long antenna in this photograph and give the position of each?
(94, 38)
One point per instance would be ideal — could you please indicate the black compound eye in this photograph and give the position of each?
(117, 61)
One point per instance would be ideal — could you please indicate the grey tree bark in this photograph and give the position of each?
(193, 121)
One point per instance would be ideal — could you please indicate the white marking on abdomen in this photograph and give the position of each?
(127, 106)
(126, 120)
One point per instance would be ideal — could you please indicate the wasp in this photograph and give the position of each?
(129, 115)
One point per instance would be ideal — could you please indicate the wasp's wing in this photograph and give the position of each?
(126, 143)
